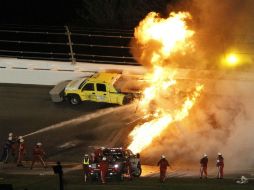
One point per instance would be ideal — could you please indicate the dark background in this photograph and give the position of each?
(97, 13)
(37, 12)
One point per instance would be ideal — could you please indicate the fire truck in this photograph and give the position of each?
(100, 87)
(117, 158)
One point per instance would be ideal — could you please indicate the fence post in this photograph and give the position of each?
(68, 33)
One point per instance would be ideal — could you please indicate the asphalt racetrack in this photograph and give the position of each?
(66, 131)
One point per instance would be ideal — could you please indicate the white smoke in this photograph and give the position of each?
(222, 120)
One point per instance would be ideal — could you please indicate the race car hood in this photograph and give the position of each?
(74, 84)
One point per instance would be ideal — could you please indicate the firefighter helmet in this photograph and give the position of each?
(163, 156)
(219, 154)
(39, 144)
(205, 155)
(104, 158)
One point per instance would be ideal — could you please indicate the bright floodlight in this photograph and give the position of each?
(232, 60)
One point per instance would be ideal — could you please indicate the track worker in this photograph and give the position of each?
(138, 162)
(220, 166)
(21, 152)
(6, 150)
(127, 166)
(103, 169)
(86, 163)
(163, 163)
(14, 146)
(98, 154)
(38, 154)
(203, 166)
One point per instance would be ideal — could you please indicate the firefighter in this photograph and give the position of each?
(38, 154)
(6, 150)
(103, 169)
(136, 165)
(138, 162)
(127, 165)
(163, 163)
(203, 166)
(14, 147)
(12, 141)
(92, 156)
(21, 152)
(220, 166)
(98, 154)
(86, 163)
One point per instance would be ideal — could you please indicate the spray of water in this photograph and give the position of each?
(79, 120)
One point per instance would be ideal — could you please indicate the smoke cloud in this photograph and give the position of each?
(222, 26)
(222, 120)
(219, 123)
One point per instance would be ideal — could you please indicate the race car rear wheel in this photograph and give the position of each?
(74, 99)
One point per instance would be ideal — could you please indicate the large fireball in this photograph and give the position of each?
(157, 39)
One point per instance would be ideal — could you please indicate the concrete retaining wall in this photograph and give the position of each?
(22, 71)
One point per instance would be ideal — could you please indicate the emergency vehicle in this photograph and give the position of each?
(100, 87)
(117, 158)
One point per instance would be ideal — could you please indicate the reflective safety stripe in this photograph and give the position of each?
(86, 161)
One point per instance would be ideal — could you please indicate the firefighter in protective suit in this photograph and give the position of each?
(138, 162)
(203, 166)
(163, 163)
(86, 163)
(103, 169)
(6, 150)
(38, 154)
(21, 152)
(128, 169)
(220, 166)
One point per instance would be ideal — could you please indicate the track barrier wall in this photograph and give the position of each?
(40, 72)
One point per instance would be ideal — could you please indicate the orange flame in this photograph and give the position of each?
(173, 36)
(143, 135)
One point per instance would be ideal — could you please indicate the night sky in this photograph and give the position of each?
(36, 12)
(74, 12)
